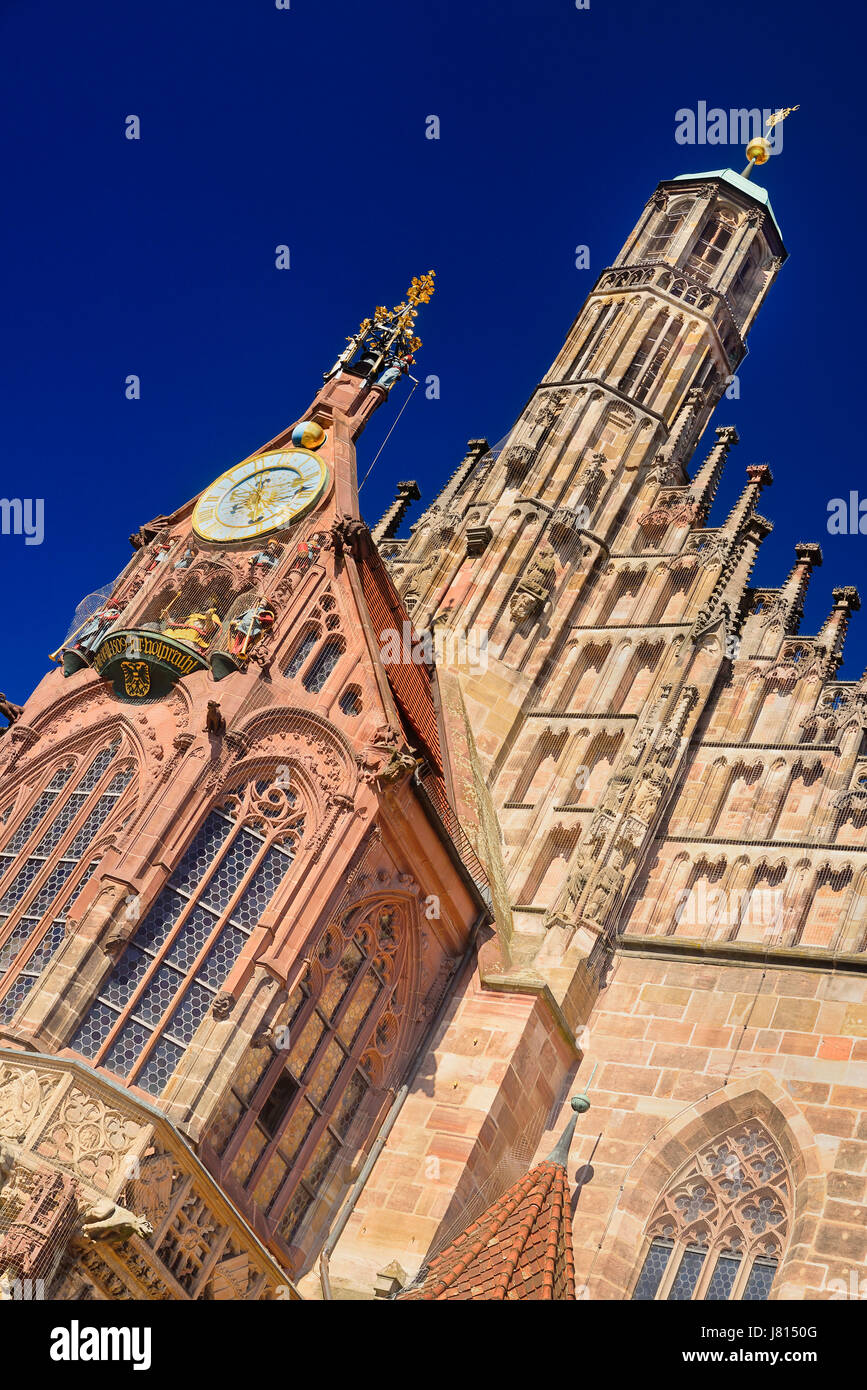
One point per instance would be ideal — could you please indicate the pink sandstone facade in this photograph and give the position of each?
(308, 936)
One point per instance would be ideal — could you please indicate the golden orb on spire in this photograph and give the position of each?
(759, 150)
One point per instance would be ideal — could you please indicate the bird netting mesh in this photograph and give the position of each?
(85, 623)
(38, 1213)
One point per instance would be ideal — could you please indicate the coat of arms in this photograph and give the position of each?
(136, 678)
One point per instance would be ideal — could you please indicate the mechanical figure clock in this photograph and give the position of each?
(265, 493)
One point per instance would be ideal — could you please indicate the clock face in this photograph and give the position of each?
(264, 493)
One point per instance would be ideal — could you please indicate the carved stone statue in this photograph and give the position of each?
(7, 1165)
(541, 568)
(612, 797)
(577, 880)
(400, 764)
(222, 1005)
(650, 791)
(105, 1220)
(214, 721)
(640, 741)
(9, 710)
(349, 533)
(608, 883)
(534, 586)
(523, 605)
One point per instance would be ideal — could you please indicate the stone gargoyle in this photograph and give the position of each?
(105, 1220)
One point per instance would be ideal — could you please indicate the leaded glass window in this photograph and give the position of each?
(720, 1228)
(758, 1285)
(290, 1110)
(350, 701)
(687, 1274)
(301, 652)
(654, 1267)
(323, 664)
(167, 979)
(724, 1275)
(44, 866)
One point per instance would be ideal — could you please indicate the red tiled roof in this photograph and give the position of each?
(520, 1248)
(411, 682)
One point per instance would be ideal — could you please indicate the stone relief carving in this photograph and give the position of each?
(534, 587)
(89, 1136)
(23, 1095)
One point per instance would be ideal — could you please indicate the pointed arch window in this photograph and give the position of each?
(657, 360)
(639, 361)
(167, 979)
(302, 650)
(350, 701)
(323, 664)
(44, 865)
(289, 1111)
(597, 337)
(662, 237)
(707, 253)
(745, 283)
(720, 1229)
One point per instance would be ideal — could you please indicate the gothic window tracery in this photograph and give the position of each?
(540, 764)
(639, 361)
(291, 1105)
(585, 675)
(323, 664)
(744, 284)
(720, 1229)
(710, 244)
(42, 858)
(633, 687)
(663, 235)
(304, 646)
(172, 970)
(657, 360)
(350, 701)
(550, 866)
(599, 334)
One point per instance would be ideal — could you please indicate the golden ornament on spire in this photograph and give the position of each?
(388, 339)
(759, 148)
(780, 116)
(422, 288)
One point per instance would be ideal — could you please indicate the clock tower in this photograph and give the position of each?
(234, 889)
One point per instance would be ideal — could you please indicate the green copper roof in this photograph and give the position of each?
(759, 195)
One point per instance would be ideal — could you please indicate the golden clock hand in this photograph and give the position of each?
(255, 497)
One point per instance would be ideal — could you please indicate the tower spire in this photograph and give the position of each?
(386, 342)
(580, 1105)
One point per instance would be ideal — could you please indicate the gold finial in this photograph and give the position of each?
(780, 116)
(759, 148)
(422, 288)
(388, 338)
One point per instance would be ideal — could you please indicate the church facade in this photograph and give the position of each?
(478, 914)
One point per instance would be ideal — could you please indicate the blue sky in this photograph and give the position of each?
(306, 127)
